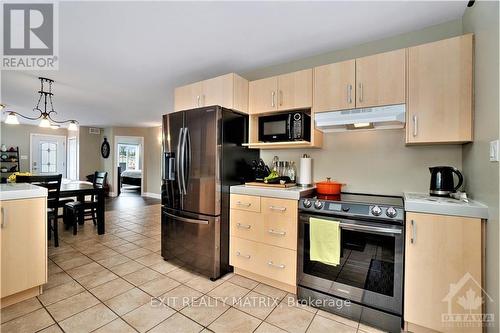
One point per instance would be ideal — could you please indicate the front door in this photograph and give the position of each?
(48, 154)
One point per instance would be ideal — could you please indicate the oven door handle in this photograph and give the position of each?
(357, 227)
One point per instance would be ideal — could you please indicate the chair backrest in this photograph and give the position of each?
(51, 183)
(100, 179)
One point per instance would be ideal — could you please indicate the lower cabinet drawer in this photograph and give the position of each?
(270, 261)
(245, 224)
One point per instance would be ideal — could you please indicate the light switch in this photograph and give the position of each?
(494, 147)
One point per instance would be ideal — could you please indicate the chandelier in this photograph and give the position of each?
(45, 115)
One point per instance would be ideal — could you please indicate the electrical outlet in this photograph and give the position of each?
(494, 147)
(24, 157)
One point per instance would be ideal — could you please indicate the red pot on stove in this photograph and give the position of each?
(328, 187)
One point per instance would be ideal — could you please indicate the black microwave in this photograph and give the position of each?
(293, 126)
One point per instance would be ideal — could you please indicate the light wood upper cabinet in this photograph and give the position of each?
(440, 90)
(381, 79)
(229, 91)
(23, 235)
(441, 251)
(188, 96)
(284, 92)
(262, 95)
(295, 90)
(335, 86)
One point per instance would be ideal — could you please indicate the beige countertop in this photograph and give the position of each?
(294, 193)
(424, 203)
(14, 191)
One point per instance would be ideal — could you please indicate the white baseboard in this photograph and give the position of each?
(151, 195)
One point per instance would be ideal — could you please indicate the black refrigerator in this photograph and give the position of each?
(202, 157)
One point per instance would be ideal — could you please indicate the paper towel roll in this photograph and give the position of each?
(305, 171)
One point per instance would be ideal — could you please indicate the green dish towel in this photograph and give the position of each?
(324, 240)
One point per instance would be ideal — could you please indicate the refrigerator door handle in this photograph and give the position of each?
(187, 151)
(183, 161)
(185, 219)
(179, 161)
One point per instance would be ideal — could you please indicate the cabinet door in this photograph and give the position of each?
(440, 91)
(295, 90)
(188, 96)
(441, 252)
(334, 86)
(380, 79)
(218, 91)
(23, 234)
(263, 95)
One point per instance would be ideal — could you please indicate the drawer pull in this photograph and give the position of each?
(244, 204)
(281, 209)
(274, 232)
(243, 226)
(238, 254)
(275, 265)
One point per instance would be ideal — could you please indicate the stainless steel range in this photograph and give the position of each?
(367, 285)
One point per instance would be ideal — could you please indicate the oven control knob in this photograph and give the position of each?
(376, 210)
(307, 203)
(391, 212)
(318, 204)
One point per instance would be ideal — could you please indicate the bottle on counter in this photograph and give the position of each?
(292, 171)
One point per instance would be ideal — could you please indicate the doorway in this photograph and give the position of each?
(129, 163)
(47, 154)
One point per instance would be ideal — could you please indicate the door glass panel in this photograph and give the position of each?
(366, 261)
(48, 154)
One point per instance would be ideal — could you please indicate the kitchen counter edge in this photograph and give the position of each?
(292, 193)
(17, 191)
(473, 209)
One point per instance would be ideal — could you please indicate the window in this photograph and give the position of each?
(72, 159)
(128, 155)
(48, 152)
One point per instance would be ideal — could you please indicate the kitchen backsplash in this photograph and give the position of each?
(373, 161)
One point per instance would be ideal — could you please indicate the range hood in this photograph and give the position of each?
(381, 117)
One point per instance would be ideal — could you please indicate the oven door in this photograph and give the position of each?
(371, 264)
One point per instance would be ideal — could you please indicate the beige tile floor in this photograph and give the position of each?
(118, 282)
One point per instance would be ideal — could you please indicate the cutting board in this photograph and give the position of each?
(259, 184)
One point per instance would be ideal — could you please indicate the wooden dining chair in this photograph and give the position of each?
(77, 211)
(53, 185)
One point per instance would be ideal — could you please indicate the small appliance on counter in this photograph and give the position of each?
(442, 181)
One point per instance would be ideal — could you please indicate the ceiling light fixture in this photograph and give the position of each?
(45, 117)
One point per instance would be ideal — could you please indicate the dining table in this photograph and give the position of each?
(80, 189)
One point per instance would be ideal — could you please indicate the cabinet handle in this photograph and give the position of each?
(360, 92)
(198, 100)
(273, 94)
(281, 98)
(3, 217)
(238, 254)
(349, 93)
(244, 204)
(281, 209)
(413, 238)
(243, 226)
(415, 125)
(270, 263)
(274, 232)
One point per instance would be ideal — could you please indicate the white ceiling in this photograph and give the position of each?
(119, 62)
